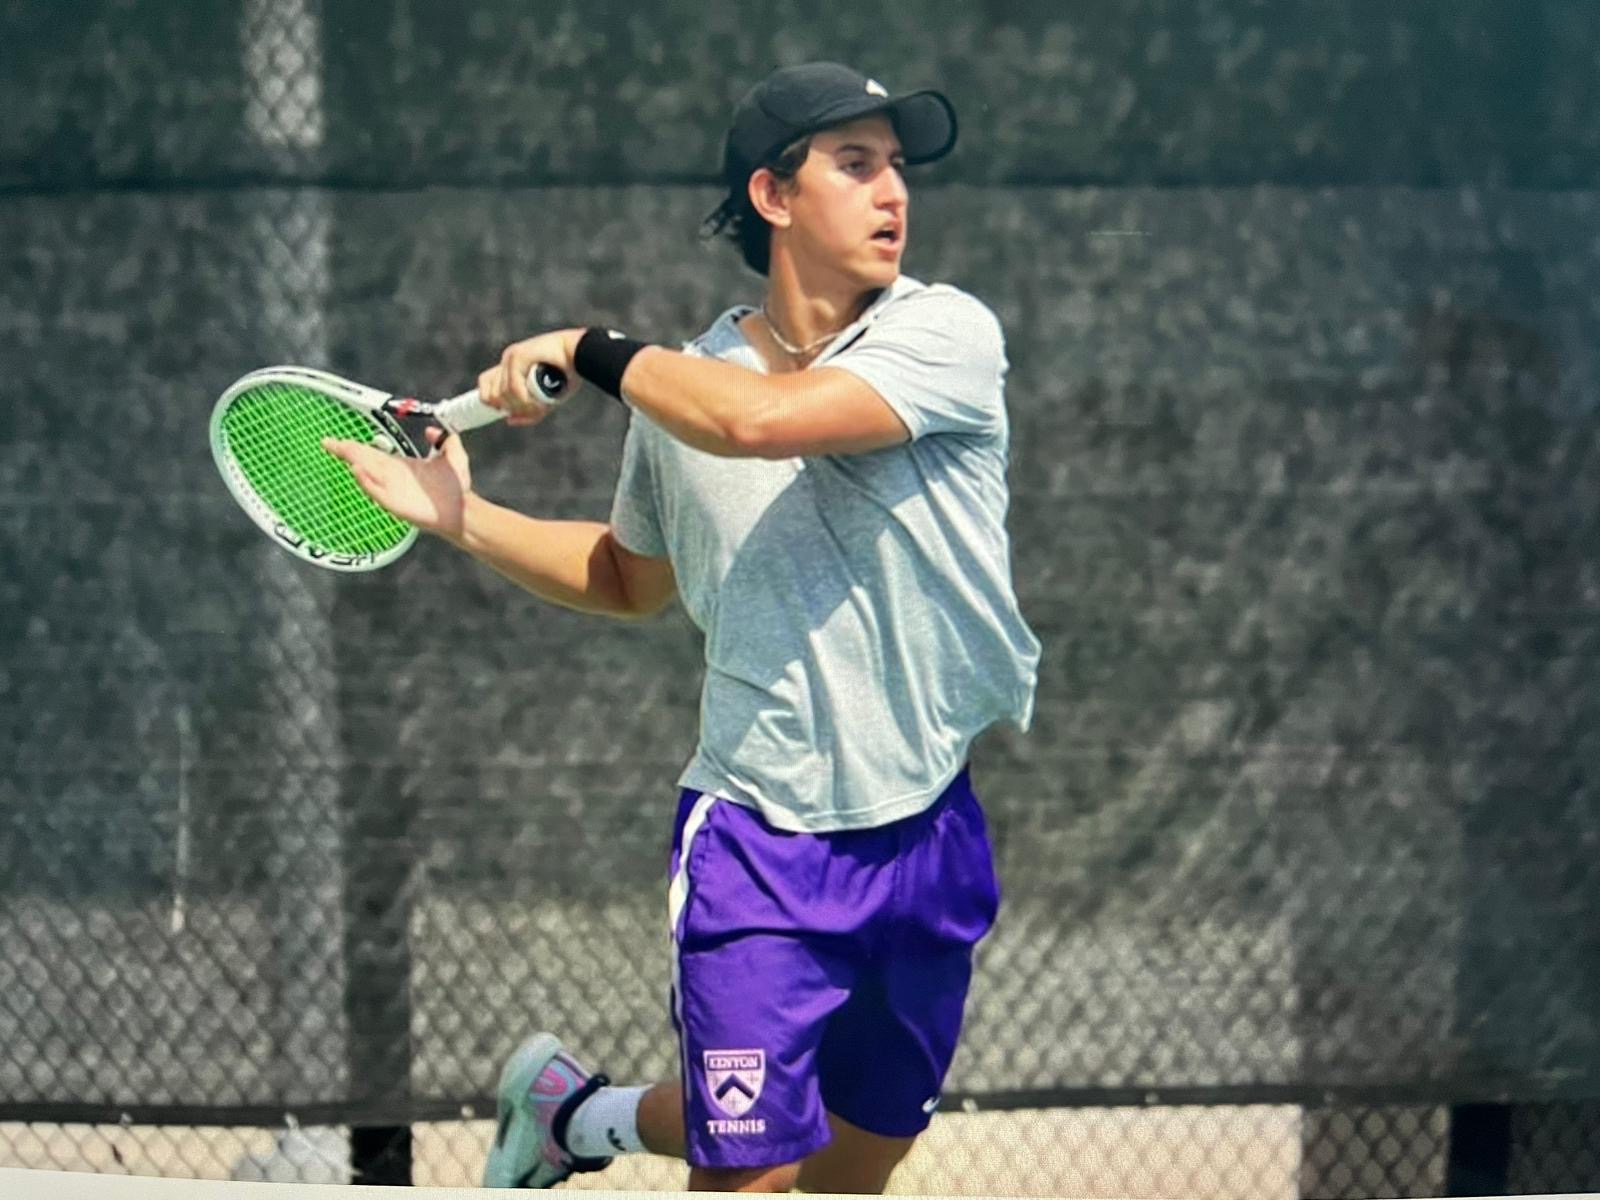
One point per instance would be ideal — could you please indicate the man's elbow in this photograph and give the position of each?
(642, 603)
(756, 434)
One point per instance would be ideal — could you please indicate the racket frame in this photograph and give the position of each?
(387, 413)
(371, 403)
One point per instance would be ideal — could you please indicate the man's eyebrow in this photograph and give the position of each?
(862, 148)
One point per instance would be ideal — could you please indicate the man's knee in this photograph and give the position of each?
(744, 1179)
(855, 1161)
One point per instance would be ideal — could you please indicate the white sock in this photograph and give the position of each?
(606, 1123)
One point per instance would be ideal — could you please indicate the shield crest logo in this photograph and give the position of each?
(734, 1078)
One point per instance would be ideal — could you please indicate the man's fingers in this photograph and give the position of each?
(340, 448)
(487, 392)
(516, 378)
(365, 463)
(354, 453)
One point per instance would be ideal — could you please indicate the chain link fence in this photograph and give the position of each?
(1299, 861)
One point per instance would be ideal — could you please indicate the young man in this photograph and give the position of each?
(822, 483)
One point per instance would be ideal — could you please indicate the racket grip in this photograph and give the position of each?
(468, 411)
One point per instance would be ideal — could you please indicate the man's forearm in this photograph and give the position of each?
(710, 405)
(569, 563)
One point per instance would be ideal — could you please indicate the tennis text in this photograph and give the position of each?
(748, 1125)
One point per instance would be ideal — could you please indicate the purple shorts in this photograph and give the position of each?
(818, 973)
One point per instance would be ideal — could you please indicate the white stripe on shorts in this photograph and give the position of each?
(677, 898)
(678, 890)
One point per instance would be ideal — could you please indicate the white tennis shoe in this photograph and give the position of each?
(540, 1088)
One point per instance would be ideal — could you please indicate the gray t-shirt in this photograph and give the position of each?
(859, 618)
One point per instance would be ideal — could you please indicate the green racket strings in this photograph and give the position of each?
(274, 432)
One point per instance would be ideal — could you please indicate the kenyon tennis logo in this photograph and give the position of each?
(734, 1079)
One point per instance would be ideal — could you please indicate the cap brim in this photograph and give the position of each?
(926, 124)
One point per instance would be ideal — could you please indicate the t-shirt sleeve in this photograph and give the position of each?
(938, 358)
(635, 517)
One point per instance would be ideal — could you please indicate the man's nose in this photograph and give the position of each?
(892, 191)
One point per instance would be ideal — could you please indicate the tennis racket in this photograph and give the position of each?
(266, 438)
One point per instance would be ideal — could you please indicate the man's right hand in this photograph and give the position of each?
(505, 385)
(431, 492)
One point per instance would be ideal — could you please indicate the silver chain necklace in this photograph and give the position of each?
(788, 346)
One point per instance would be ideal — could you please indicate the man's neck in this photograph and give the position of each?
(804, 307)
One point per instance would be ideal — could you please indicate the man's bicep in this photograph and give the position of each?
(647, 581)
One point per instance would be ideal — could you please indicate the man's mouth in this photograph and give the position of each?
(889, 235)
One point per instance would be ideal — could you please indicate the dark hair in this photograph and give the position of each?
(737, 219)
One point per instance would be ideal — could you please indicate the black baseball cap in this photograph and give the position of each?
(802, 99)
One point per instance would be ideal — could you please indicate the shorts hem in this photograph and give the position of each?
(878, 1127)
(761, 1155)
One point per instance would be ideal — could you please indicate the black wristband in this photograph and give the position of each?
(602, 355)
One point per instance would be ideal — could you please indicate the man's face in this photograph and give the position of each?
(849, 202)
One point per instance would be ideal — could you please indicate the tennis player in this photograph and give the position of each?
(822, 482)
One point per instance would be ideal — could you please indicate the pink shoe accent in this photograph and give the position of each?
(555, 1083)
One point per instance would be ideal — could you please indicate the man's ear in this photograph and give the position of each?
(769, 196)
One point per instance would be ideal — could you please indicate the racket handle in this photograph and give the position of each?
(468, 411)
